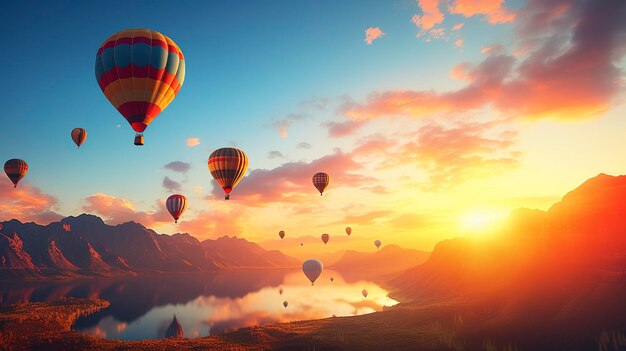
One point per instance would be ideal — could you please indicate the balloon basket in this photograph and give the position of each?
(139, 139)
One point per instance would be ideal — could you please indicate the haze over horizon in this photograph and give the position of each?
(432, 120)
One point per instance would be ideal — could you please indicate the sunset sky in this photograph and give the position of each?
(432, 117)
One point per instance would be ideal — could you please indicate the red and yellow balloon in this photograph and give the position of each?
(140, 71)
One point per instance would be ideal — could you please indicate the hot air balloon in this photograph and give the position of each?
(348, 231)
(280, 291)
(16, 170)
(176, 205)
(281, 234)
(301, 244)
(325, 238)
(321, 180)
(377, 243)
(364, 292)
(79, 135)
(285, 303)
(312, 269)
(140, 71)
(332, 279)
(228, 165)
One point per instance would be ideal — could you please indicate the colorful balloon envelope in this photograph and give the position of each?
(364, 292)
(140, 71)
(348, 231)
(320, 181)
(312, 269)
(280, 291)
(176, 205)
(332, 279)
(15, 169)
(325, 238)
(228, 166)
(377, 243)
(78, 136)
(285, 303)
(281, 234)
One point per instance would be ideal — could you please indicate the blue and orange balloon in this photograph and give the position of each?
(140, 71)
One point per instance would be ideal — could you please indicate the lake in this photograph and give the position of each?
(142, 307)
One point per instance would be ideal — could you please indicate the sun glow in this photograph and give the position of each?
(480, 220)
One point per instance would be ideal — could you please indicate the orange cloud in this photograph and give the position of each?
(291, 182)
(191, 142)
(457, 26)
(372, 34)
(283, 124)
(453, 155)
(341, 129)
(579, 80)
(431, 15)
(494, 10)
(116, 210)
(229, 220)
(27, 203)
(459, 43)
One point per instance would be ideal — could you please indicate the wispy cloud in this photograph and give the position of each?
(191, 142)
(283, 124)
(171, 185)
(373, 33)
(178, 166)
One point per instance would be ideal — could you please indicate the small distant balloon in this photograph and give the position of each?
(285, 303)
(301, 244)
(176, 205)
(78, 136)
(280, 291)
(281, 234)
(321, 181)
(15, 169)
(377, 243)
(364, 292)
(312, 269)
(325, 238)
(332, 279)
(348, 231)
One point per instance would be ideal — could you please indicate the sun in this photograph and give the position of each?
(480, 220)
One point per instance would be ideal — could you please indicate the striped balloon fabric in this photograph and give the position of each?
(140, 71)
(228, 165)
(321, 180)
(15, 169)
(176, 204)
(79, 135)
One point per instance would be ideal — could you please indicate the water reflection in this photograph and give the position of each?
(207, 304)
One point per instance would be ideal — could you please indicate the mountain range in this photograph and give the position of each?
(86, 246)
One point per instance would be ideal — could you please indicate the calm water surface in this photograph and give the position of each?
(207, 304)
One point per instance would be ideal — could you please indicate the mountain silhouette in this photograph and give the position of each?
(390, 259)
(86, 246)
(558, 270)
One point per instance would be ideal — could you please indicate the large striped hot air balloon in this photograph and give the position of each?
(140, 71)
(321, 180)
(16, 170)
(176, 204)
(312, 269)
(228, 165)
(79, 135)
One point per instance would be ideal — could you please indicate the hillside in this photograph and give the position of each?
(86, 246)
